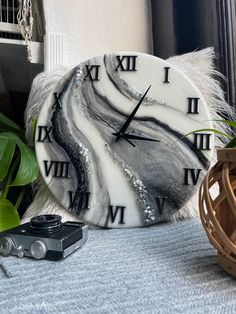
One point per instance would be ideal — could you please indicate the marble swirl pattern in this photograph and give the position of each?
(116, 173)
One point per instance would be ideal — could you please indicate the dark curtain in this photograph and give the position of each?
(181, 26)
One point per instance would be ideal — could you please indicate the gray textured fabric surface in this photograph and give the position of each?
(169, 268)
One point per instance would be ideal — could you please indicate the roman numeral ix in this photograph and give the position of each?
(116, 212)
(58, 169)
(44, 133)
(126, 63)
(191, 174)
(92, 72)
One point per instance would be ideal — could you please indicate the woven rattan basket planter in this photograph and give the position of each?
(217, 204)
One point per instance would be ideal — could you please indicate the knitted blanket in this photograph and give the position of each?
(168, 268)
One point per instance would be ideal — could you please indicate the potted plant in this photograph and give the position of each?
(217, 202)
(18, 167)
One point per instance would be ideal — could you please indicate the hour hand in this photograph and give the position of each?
(136, 137)
(101, 119)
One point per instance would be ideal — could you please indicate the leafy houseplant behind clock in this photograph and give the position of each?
(107, 140)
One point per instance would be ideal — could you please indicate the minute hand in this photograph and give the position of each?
(137, 137)
(130, 118)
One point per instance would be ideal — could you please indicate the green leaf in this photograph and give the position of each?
(9, 216)
(231, 144)
(34, 125)
(7, 148)
(28, 169)
(229, 122)
(8, 125)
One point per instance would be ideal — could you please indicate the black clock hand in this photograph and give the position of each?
(104, 121)
(58, 105)
(136, 137)
(131, 116)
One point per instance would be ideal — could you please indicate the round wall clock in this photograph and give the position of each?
(110, 145)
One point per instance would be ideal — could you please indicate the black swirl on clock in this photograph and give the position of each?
(141, 173)
(130, 93)
(179, 137)
(63, 138)
(78, 149)
(108, 106)
(156, 164)
(120, 85)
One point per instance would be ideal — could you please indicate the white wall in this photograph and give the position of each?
(93, 27)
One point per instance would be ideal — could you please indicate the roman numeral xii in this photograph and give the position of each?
(126, 63)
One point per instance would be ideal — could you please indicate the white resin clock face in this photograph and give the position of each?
(108, 140)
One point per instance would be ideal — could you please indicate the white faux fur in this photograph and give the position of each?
(198, 66)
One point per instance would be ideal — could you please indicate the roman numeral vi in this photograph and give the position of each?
(113, 212)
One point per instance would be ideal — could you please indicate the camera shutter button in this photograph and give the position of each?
(38, 249)
(20, 251)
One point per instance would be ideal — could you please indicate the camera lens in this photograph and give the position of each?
(6, 245)
(46, 224)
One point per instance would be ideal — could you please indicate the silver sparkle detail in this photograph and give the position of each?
(86, 156)
(128, 90)
(79, 76)
(83, 150)
(138, 187)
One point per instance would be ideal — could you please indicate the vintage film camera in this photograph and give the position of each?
(44, 237)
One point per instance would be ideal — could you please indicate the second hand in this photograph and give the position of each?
(104, 121)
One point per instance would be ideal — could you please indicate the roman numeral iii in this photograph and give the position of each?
(126, 63)
(116, 213)
(92, 72)
(58, 169)
(202, 141)
(191, 176)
